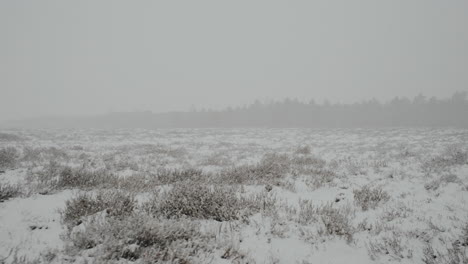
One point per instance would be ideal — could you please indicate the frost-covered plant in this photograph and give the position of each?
(84, 178)
(308, 161)
(369, 198)
(336, 221)
(451, 156)
(8, 157)
(43, 154)
(355, 168)
(304, 150)
(202, 202)
(444, 179)
(453, 255)
(116, 203)
(8, 191)
(272, 167)
(169, 176)
(319, 177)
(57, 176)
(456, 155)
(9, 137)
(388, 245)
(142, 237)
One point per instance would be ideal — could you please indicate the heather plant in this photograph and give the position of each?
(8, 191)
(8, 157)
(140, 237)
(199, 201)
(170, 176)
(316, 178)
(453, 254)
(56, 176)
(388, 245)
(335, 221)
(271, 168)
(441, 181)
(8, 137)
(115, 203)
(369, 198)
(304, 150)
(452, 155)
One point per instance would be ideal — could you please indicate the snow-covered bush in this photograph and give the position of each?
(116, 203)
(142, 237)
(390, 245)
(169, 176)
(56, 176)
(7, 137)
(271, 168)
(452, 155)
(369, 198)
(452, 255)
(8, 157)
(335, 221)
(8, 191)
(202, 202)
(304, 150)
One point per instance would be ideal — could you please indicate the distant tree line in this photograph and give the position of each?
(400, 111)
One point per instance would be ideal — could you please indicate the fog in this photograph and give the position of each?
(64, 58)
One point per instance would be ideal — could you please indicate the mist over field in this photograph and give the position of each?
(60, 59)
(399, 112)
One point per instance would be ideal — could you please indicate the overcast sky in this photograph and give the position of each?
(93, 57)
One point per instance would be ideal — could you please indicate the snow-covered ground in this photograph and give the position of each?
(412, 185)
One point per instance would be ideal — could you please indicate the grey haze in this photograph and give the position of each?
(61, 58)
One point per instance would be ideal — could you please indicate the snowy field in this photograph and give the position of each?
(394, 195)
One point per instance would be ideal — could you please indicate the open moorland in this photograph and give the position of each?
(393, 195)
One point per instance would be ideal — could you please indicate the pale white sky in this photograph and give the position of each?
(92, 57)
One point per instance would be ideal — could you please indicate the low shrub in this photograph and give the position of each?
(202, 202)
(452, 255)
(9, 137)
(442, 180)
(271, 168)
(452, 155)
(8, 191)
(170, 176)
(8, 157)
(56, 176)
(319, 177)
(144, 238)
(336, 221)
(304, 150)
(388, 245)
(70, 178)
(369, 198)
(308, 161)
(44, 154)
(116, 204)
